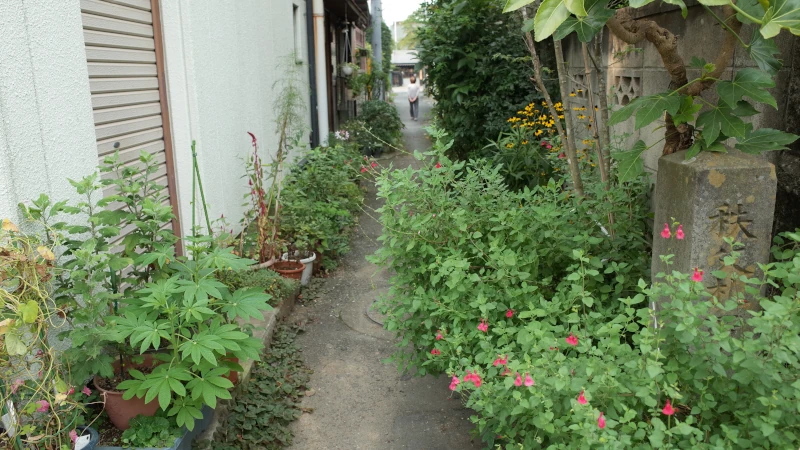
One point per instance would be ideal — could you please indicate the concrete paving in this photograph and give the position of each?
(357, 400)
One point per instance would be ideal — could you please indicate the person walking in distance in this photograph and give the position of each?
(413, 97)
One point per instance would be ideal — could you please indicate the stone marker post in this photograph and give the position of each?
(714, 196)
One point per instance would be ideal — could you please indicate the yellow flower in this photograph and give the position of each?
(509, 145)
(572, 94)
(561, 116)
(524, 142)
(538, 132)
(581, 116)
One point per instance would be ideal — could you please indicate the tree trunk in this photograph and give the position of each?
(568, 140)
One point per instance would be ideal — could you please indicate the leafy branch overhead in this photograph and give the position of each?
(690, 121)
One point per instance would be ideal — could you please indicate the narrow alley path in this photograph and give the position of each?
(358, 401)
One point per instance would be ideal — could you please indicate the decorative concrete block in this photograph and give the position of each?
(715, 196)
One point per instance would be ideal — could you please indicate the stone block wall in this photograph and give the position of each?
(635, 72)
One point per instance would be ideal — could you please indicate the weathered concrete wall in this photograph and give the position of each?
(46, 124)
(635, 72)
(222, 60)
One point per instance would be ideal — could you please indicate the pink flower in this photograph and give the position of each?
(665, 233)
(544, 143)
(483, 326)
(528, 380)
(439, 336)
(73, 436)
(601, 421)
(71, 391)
(374, 164)
(548, 146)
(668, 411)
(561, 155)
(506, 372)
(436, 352)
(582, 399)
(679, 233)
(454, 382)
(501, 361)
(252, 136)
(510, 313)
(518, 381)
(17, 383)
(697, 275)
(44, 406)
(86, 391)
(476, 380)
(572, 340)
(363, 169)
(438, 165)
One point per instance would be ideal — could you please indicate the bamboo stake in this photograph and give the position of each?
(569, 143)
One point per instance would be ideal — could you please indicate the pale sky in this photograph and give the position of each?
(398, 10)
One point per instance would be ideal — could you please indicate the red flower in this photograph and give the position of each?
(518, 381)
(601, 421)
(506, 372)
(454, 383)
(436, 352)
(252, 136)
(374, 164)
(697, 275)
(679, 233)
(582, 399)
(510, 313)
(572, 340)
(548, 146)
(668, 411)
(438, 165)
(363, 169)
(500, 361)
(561, 155)
(483, 326)
(439, 336)
(665, 233)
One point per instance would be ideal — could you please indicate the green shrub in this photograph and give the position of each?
(268, 280)
(382, 119)
(544, 323)
(478, 68)
(321, 200)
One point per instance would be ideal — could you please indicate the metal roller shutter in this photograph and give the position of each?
(126, 77)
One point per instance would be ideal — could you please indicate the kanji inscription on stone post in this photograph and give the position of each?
(726, 204)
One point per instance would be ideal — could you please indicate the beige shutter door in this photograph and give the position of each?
(126, 76)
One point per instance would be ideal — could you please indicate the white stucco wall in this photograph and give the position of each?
(46, 123)
(222, 59)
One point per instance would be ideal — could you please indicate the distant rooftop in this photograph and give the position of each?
(404, 57)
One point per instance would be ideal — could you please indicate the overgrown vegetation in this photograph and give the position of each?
(260, 415)
(478, 69)
(322, 201)
(267, 280)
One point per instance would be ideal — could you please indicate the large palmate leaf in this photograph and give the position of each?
(765, 139)
(715, 2)
(720, 118)
(576, 7)
(763, 52)
(247, 303)
(681, 4)
(782, 14)
(652, 108)
(588, 26)
(751, 83)
(550, 15)
(686, 113)
(625, 113)
(630, 163)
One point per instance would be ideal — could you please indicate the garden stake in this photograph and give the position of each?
(202, 194)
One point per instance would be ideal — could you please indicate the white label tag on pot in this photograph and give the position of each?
(82, 442)
(9, 420)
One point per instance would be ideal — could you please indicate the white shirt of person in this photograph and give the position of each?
(413, 90)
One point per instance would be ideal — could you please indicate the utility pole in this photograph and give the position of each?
(377, 48)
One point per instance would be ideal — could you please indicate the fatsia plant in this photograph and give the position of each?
(691, 122)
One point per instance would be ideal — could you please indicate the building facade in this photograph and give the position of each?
(82, 79)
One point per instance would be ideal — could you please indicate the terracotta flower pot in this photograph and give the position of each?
(289, 269)
(121, 411)
(233, 375)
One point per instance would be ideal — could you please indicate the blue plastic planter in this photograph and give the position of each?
(184, 442)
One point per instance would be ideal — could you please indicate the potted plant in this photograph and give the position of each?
(38, 407)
